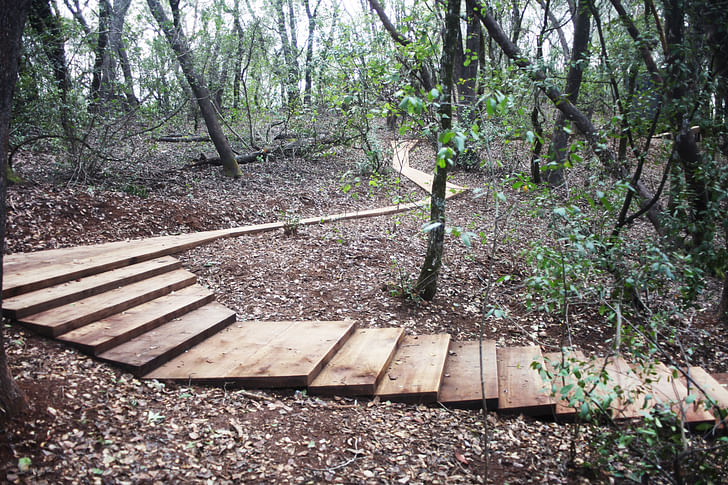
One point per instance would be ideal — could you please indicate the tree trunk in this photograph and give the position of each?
(48, 26)
(99, 81)
(427, 281)
(116, 45)
(582, 122)
(579, 51)
(723, 306)
(309, 51)
(12, 19)
(178, 43)
(425, 76)
(289, 55)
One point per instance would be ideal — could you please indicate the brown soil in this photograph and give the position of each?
(88, 422)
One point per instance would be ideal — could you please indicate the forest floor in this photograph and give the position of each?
(88, 422)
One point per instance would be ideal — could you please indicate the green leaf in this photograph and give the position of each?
(430, 226)
(446, 136)
(24, 464)
(460, 142)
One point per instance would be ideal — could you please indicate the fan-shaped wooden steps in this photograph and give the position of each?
(130, 304)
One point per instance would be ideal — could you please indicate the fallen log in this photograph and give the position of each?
(253, 157)
(182, 138)
(262, 155)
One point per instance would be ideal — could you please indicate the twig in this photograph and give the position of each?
(345, 463)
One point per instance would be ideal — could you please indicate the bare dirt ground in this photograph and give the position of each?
(91, 423)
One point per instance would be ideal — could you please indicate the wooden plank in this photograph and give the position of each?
(260, 354)
(358, 366)
(520, 387)
(416, 370)
(151, 349)
(712, 387)
(621, 376)
(671, 392)
(721, 377)
(26, 272)
(461, 379)
(571, 360)
(102, 335)
(40, 300)
(64, 318)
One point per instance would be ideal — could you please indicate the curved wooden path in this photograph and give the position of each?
(131, 304)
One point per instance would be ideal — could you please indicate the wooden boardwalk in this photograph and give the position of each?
(132, 305)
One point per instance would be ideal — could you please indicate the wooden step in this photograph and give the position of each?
(562, 365)
(358, 366)
(260, 354)
(461, 380)
(416, 370)
(24, 272)
(520, 387)
(624, 378)
(155, 347)
(710, 388)
(64, 318)
(668, 390)
(102, 335)
(40, 300)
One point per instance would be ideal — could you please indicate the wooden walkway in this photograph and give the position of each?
(132, 305)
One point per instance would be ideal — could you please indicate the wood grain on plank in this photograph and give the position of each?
(67, 317)
(625, 381)
(709, 386)
(26, 272)
(358, 366)
(40, 300)
(461, 380)
(416, 370)
(261, 354)
(100, 336)
(670, 391)
(520, 387)
(145, 352)
(559, 363)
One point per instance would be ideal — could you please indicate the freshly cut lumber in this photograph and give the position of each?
(26, 272)
(416, 370)
(570, 360)
(357, 367)
(147, 351)
(461, 379)
(623, 378)
(101, 335)
(40, 300)
(260, 354)
(709, 387)
(670, 391)
(520, 387)
(67, 317)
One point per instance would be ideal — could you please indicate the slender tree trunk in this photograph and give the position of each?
(723, 306)
(48, 26)
(555, 24)
(425, 75)
(99, 80)
(582, 122)
(579, 53)
(290, 53)
(309, 51)
(427, 281)
(13, 14)
(116, 45)
(178, 43)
